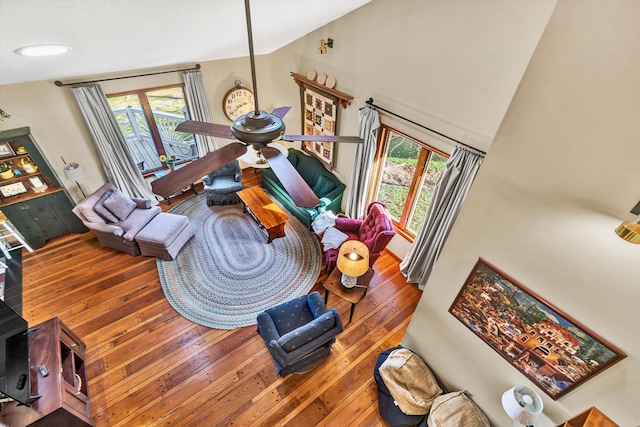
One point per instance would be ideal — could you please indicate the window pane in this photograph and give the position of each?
(134, 127)
(169, 109)
(397, 173)
(429, 181)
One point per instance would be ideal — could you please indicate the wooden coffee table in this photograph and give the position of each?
(264, 211)
(353, 295)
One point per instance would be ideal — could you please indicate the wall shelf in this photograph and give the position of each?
(343, 98)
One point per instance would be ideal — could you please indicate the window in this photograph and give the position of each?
(147, 120)
(406, 176)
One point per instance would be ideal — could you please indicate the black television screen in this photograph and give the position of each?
(14, 355)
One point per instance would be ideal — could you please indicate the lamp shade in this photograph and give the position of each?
(353, 258)
(522, 404)
(73, 171)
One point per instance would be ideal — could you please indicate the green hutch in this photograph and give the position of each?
(31, 194)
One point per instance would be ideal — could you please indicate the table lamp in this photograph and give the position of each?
(353, 261)
(522, 404)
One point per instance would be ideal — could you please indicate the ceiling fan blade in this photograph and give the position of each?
(323, 138)
(280, 111)
(291, 180)
(184, 176)
(205, 128)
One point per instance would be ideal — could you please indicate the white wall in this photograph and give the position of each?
(561, 174)
(58, 127)
(452, 66)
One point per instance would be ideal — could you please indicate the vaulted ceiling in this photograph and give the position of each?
(113, 35)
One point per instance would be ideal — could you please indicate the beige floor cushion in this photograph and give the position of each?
(456, 410)
(410, 381)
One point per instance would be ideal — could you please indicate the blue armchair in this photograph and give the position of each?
(221, 185)
(299, 333)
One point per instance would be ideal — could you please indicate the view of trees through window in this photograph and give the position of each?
(147, 120)
(408, 171)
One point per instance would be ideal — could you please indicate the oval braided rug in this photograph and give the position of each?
(228, 273)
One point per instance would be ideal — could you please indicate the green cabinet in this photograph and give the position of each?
(33, 198)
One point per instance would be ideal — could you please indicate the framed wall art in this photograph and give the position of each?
(320, 105)
(6, 150)
(550, 348)
(320, 117)
(13, 189)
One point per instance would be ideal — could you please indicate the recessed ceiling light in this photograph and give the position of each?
(43, 50)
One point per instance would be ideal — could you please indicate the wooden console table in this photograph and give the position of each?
(592, 417)
(63, 395)
(264, 211)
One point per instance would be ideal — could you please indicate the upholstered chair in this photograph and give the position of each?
(375, 231)
(299, 333)
(221, 185)
(132, 225)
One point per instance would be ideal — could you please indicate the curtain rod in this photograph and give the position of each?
(60, 84)
(370, 102)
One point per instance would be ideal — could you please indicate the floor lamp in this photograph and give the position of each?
(74, 172)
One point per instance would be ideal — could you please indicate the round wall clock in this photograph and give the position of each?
(237, 101)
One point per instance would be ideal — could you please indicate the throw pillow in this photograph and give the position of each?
(307, 333)
(119, 204)
(456, 410)
(333, 238)
(323, 186)
(101, 210)
(410, 382)
(89, 214)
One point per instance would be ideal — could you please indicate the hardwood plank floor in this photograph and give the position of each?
(149, 366)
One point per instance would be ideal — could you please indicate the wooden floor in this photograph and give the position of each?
(149, 366)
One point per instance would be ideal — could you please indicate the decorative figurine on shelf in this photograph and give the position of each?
(17, 172)
(5, 171)
(169, 161)
(27, 165)
(37, 185)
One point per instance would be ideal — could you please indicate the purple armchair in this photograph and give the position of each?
(375, 231)
(132, 225)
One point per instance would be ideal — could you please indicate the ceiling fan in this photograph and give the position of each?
(256, 128)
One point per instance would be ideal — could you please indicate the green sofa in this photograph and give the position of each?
(326, 185)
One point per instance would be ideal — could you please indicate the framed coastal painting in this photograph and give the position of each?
(554, 351)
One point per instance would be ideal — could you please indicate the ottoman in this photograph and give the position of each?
(164, 236)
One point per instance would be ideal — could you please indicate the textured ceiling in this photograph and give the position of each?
(114, 35)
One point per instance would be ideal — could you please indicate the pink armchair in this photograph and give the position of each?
(375, 231)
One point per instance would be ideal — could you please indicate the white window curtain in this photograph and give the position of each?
(118, 164)
(199, 108)
(368, 127)
(448, 197)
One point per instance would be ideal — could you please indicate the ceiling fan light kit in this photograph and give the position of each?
(257, 127)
